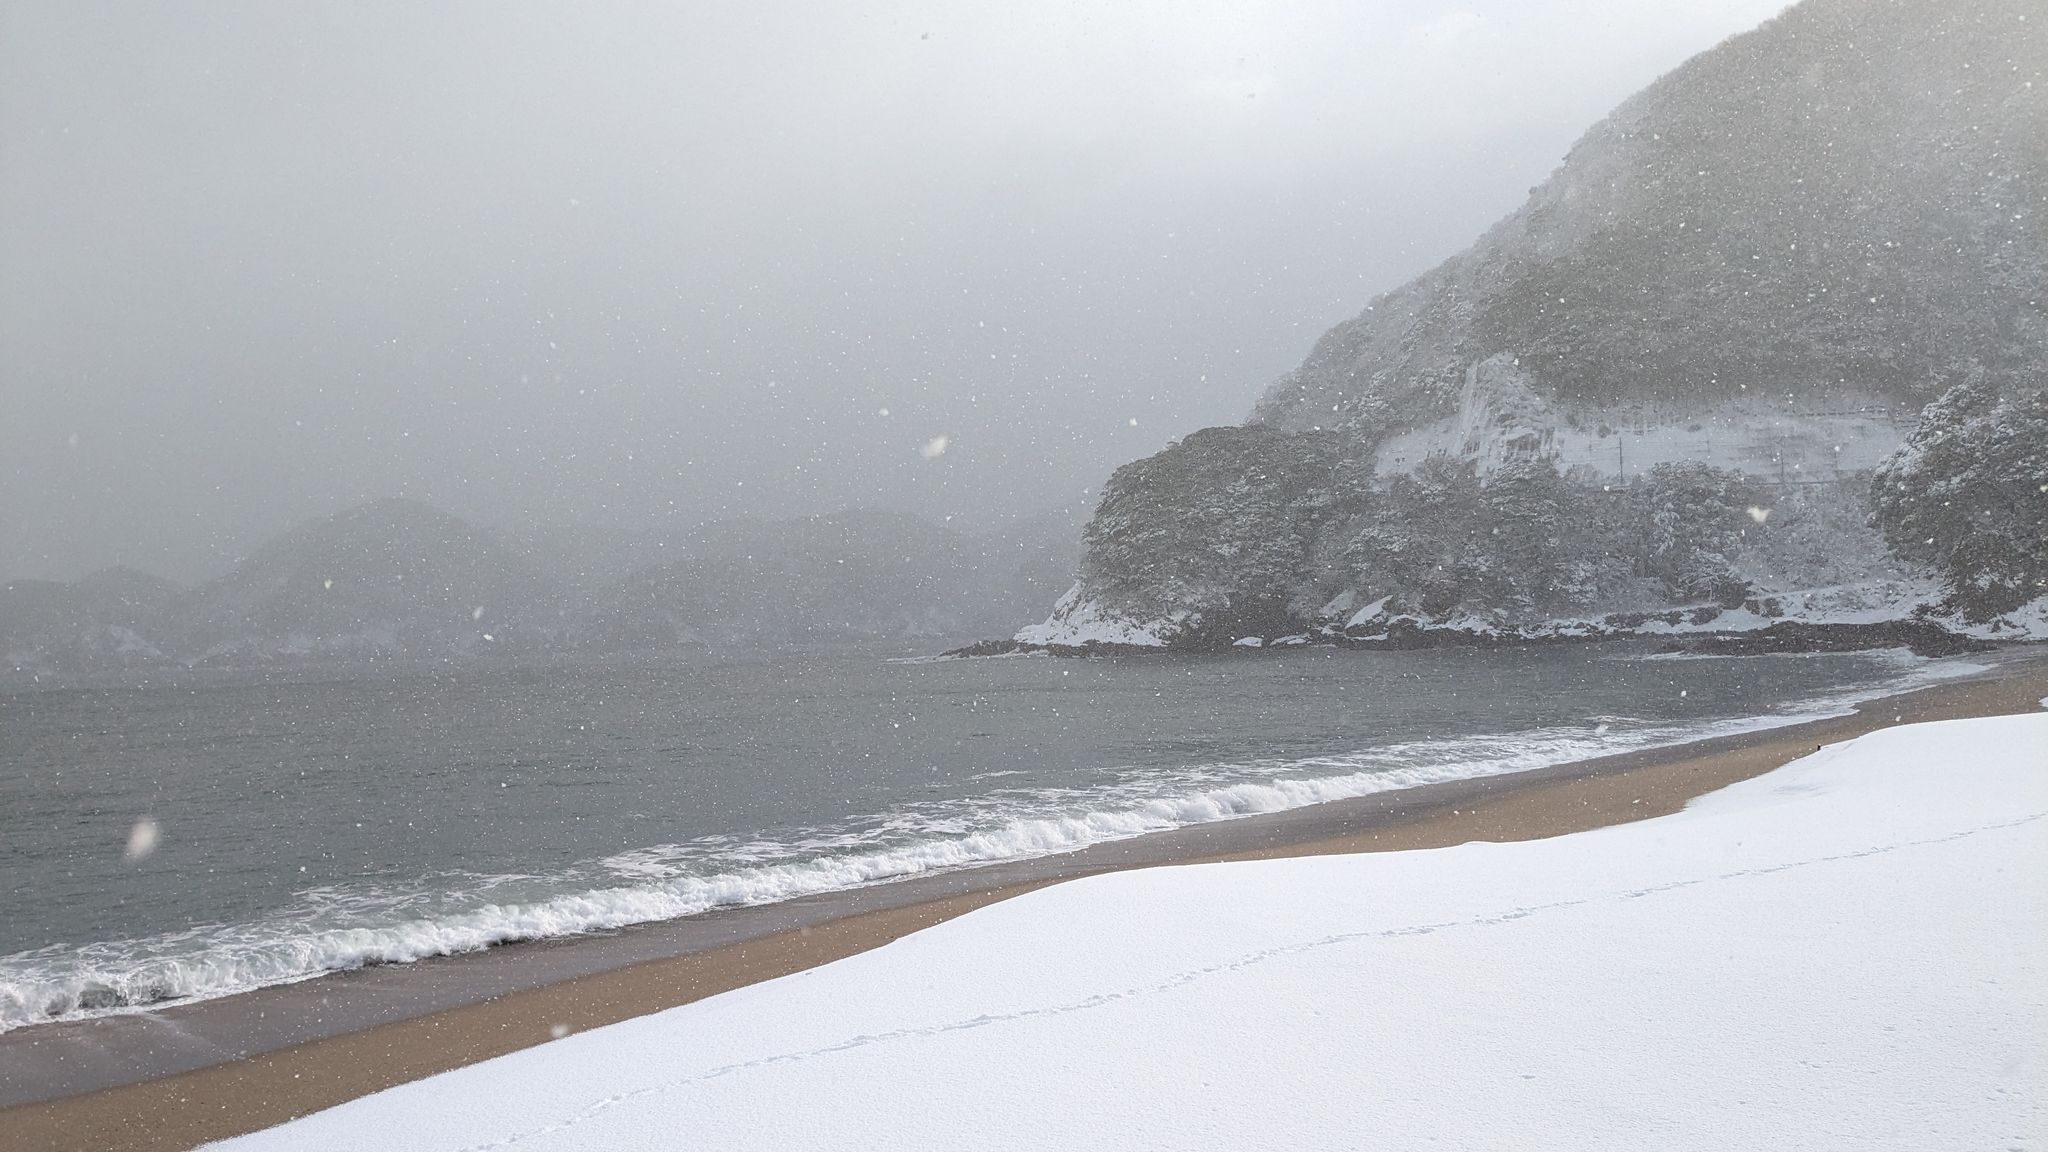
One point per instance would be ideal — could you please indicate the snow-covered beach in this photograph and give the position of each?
(1845, 952)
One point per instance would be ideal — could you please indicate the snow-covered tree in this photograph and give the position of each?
(1440, 537)
(1424, 539)
(1968, 495)
(1686, 522)
(1220, 522)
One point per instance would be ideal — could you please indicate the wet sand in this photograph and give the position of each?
(177, 1078)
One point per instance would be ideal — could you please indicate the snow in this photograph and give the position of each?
(1845, 953)
(1079, 620)
(1503, 417)
(1880, 601)
(1868, 602)
(1369, 613)
(1338, 605)
(2027, 622)
(1733, 620)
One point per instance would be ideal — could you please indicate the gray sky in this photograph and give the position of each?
(633, 267)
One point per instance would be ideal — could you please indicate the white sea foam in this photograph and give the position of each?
(1897, 657)
(669, 881)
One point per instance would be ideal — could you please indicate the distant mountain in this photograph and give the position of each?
(853, 576)
(391, 578)
(398, 579)
(104, 621)
(1662, 383)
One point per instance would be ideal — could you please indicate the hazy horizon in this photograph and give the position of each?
(628, 271)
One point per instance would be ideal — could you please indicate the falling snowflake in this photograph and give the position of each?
(142, 839)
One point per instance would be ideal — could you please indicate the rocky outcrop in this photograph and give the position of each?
(1215, 533)
(1662, 384)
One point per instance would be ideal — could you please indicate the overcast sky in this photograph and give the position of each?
(631, 267)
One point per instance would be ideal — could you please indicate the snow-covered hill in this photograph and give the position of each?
(1844, 202)
(1663, 383)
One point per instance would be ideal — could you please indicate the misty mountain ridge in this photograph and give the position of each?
(100, 622)
(397, 579)
(857, 575)
(392, 577)
(1661, 384)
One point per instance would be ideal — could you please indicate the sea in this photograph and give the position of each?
(201, 834)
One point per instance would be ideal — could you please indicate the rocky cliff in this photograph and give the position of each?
(1662, 383)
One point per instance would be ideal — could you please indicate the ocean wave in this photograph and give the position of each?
(341, 930)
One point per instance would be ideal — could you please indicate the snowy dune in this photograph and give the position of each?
(1849, 952)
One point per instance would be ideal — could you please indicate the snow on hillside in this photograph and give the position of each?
(1735, 295)
(1077, 621)
(1503, 419)
(1847, 952)
(1828, 204)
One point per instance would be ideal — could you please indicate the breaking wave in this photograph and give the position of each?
(335, 929)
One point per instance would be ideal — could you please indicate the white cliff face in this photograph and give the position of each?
(1778, 438)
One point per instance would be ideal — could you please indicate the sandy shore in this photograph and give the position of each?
(729, 951)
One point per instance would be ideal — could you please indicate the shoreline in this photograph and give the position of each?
(1680, 629)
(159, 1081)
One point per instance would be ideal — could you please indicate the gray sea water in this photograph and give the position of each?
(305, 825)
